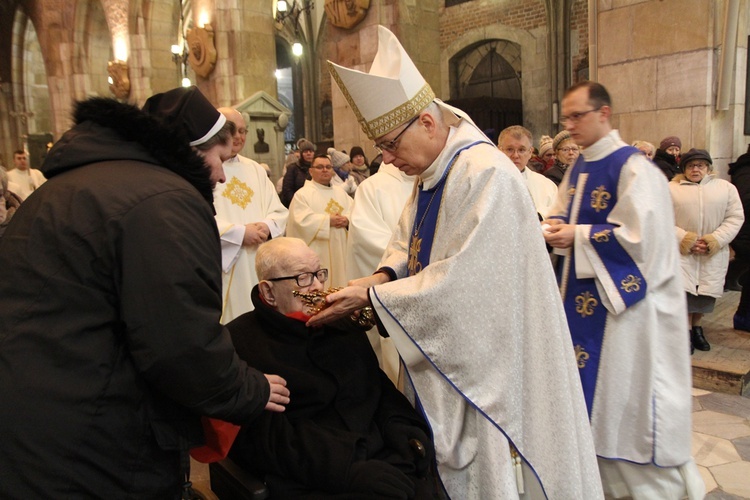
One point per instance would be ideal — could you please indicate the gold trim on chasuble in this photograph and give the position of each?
(334, 208)
(575, 207)
(581, 356)
(238, 193)
(599, 198)
(631, 284)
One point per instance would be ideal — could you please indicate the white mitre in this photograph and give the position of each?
(391, 94)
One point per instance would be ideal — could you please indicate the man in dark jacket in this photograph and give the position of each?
(111, 346)
(348, 433)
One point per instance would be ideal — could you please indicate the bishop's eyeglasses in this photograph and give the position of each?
(305, 279)
(392, 145)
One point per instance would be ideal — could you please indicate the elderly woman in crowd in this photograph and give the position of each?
(667, 157)
(646, 148)
(566, 154)
(708, 215)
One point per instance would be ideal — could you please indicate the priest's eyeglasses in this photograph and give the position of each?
(306, 279)
(576, 117)
(392, 145)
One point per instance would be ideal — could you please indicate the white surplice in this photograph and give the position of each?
(309, 219)
(543, 191)
(26, 181)
(483, 334)
(247, 196)
(378, 204)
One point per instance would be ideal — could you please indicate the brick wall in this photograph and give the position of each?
(455, 21)
(579, 34)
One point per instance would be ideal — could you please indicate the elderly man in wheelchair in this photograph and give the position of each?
(347, 432)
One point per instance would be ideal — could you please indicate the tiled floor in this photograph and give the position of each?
(726, 367)
(721, 443)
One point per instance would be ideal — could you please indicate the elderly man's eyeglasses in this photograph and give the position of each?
(511, 151)
(392, 145)
(306, 279)
(576, 117)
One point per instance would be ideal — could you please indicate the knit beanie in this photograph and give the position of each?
(338, 158)
(559, 138)
(356, 150)
(670, 141)
(545, 144)
(305, 145)
(695, 154)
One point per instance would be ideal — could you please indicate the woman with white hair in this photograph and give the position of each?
(708, 215)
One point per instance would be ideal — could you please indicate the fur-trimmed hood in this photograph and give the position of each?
(107, 130)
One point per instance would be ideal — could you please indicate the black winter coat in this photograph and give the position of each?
(342, 407)
(667, 164)
(740, 173)
(294, 179)
(110, 342)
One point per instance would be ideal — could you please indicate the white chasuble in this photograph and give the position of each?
(310, 220)
(482, 332)
(247, 196)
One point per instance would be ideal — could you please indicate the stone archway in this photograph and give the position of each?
(533, 66)
(486, 83)
(31, 109)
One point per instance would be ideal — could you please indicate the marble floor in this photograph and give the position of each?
(721, 443)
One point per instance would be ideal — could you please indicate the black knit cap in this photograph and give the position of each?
(695, 154)
(356, 150)
(187, 108)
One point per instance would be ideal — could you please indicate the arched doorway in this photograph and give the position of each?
(31, 103)
(486, 83)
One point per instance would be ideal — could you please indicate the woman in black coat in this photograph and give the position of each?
(740, 173)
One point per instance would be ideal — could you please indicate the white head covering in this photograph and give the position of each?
(391, 94)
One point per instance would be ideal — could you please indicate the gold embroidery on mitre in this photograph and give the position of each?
(631, 284)
(383, 124)
(414, 265)
(581, 356)
(586, 304)
(238, 193)
(334, 207)
(602, 236)
(599, 198)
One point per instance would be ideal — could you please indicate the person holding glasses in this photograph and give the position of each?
(566, 154)
(708, 215)
(319, 215)
(623, 294)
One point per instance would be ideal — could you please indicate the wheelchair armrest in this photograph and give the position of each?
(230, 482)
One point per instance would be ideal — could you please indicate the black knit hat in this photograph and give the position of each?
(356, 150)
(187, 108)
(695, 154)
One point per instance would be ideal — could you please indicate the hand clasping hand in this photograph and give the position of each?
(279, 393)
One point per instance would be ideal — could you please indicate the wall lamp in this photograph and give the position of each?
(285, 11)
